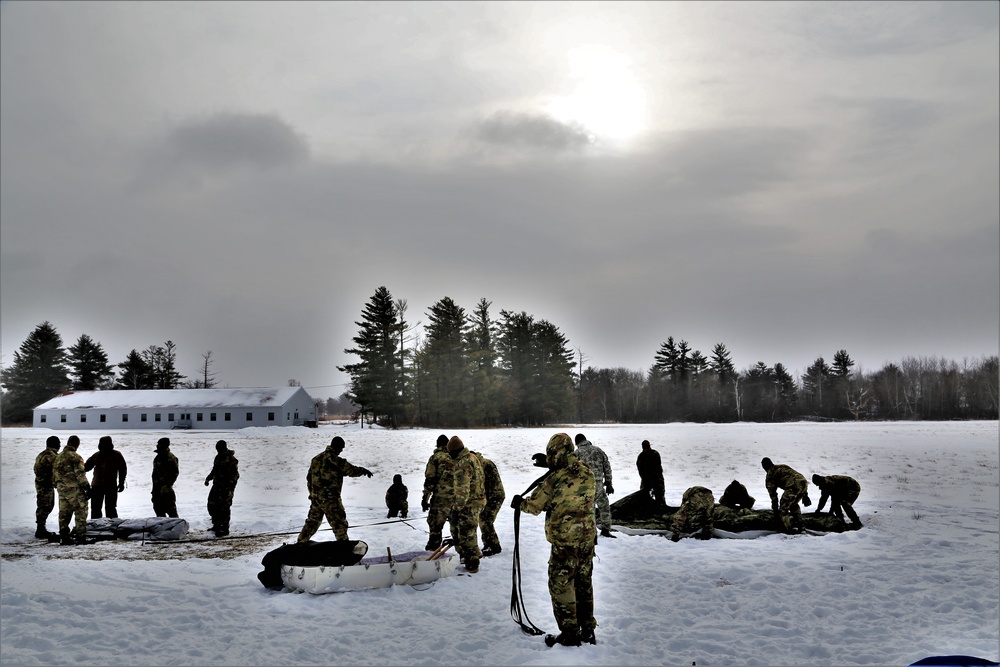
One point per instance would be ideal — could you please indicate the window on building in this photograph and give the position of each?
(228, 416)
(42, 420)
(104, 418)
(83, 418)
(125, 417)
(62, 418)
(296, 414)
(211, 417)
(142, 417)
(270, 416)
(200, 417)
(156, 417)
(249, 416)
(170, 416)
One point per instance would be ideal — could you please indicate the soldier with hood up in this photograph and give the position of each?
(225, 473)
(594, 457)
(45, 492)
(325, 480)
(737, 498)
(567, 498)
(74, 490)
(435, 500)
(396, 498)
(468, 494)
(165, 471)
(109, 469)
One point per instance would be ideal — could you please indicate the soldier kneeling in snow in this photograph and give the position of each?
(396, 498)
(736, 498)
(697, 513)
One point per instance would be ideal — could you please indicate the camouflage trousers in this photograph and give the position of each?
(788, 506)
(220, 503)
(571, 571)
(841, 504)
(486, 520)
(333, 510)
(696, 512)
(164, 502)
(72, 505)
(436, 517)
(465, 526)
(602, 508)
(45, 502)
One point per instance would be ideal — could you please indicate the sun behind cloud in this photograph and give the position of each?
(607, 98)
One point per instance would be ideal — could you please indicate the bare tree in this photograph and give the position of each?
(207, 375)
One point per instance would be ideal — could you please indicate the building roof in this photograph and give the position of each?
(124, 399)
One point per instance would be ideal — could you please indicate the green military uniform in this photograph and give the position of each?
(696, 513)
(567, 498)
(74, 490)
(595, 458)
(45, 493)
(495, 496)
(325, 480)
(436, 500)
(795, 488)
(842, 492)
(165, 471)
(225, 473)
(468, 494)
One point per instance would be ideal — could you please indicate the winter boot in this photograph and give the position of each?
(588, 636)
(83, 539)
(65, 539)
(568, 637)
(42, 533)
(472, 566)
(491, 551)
(606, 532)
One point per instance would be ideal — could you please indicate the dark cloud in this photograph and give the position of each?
(528, 130)
(235, 140)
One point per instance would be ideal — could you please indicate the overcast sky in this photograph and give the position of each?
(788, 179)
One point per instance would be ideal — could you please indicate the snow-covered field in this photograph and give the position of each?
(921, 578)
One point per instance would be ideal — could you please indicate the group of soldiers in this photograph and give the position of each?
(65, 472)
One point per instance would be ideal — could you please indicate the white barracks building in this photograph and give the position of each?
(133, 409)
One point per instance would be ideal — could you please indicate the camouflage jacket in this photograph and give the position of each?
(468, 482)
(783, 477)
(495, 493)
(165, 470)
(437, 465)
(43, 468)
(68, 473)
(327, 471)
(596, 460)
(838, 487)
(225, 470)
(567, 498)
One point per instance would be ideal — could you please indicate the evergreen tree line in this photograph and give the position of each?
(471, 370)
(42, 369)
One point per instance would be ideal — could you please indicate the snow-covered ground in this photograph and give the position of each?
(921, 578)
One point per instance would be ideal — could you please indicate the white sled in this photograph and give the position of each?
(406, 569)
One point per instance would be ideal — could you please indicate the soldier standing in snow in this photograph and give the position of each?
(495, 496)
(435, 501)
(225, 472)
(109, 469)
(74, 490)
(468, 493)
(396, 498)
(795, 488)
(650, 472)
(165, 471)
(45, 493)
(842, 492)
(695, 514)
(567, 498)
(325, 480)
(597, 460)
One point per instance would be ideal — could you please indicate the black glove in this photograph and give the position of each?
(610, 489)
(515, 502)
(806, 501)
(121, 487)
(88, 493)
(425, 504)
(366, 472)
(206, 481)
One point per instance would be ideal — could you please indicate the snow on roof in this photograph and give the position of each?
(171, 398)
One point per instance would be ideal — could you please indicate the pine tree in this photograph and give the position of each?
(136, 373)
(38, 373)
(89, 365)
(485, 380)
(445, 366)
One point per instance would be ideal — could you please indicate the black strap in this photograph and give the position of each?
(517, 610)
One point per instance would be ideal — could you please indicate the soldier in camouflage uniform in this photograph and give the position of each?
(468, 498)
(45, 493)
(842, 492)
(696, 513)
(325, 480)
(567, 498)
(736, 498)
(165, 471)
(594, 457)
(436, 504)
(495, 496)
(225, 473)
(795, 488)
(397, 498)
(74, 491)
